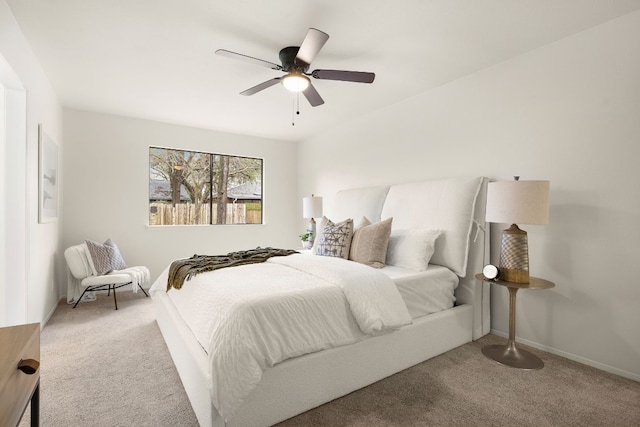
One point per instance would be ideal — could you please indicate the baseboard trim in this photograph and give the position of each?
(49, 314)
(574, 357)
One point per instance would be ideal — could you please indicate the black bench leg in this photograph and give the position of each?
(35, 407)
(115, 301)
(80, 299)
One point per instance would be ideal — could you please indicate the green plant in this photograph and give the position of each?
(306, 236)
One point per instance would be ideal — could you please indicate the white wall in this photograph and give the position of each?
(568, 112)
(14, 225)
(106, 165)
(35, 247)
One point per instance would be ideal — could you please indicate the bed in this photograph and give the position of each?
(459, 312)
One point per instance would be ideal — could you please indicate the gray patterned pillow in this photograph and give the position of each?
(334, 239)
(106, 257)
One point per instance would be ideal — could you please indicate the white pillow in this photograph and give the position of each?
(412, 248)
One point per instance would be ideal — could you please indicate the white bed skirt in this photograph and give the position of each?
(299, 384)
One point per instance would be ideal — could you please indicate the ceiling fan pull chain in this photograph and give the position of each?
(293, 116)
(296, 109)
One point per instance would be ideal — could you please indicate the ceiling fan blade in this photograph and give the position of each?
(313, 96)
(311, 45)
(345, 76)
(261, 86)
(248, 59)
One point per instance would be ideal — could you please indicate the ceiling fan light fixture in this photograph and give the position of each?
(295, 82)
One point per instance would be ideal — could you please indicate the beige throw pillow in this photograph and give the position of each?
(369, 243)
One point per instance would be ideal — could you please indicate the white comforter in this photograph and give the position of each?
(251, 317)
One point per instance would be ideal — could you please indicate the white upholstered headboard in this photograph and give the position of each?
(455, 206)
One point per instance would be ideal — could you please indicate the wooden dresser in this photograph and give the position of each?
(19, 373)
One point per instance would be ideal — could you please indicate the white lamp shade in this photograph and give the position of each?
(518, 202)
(312, 207)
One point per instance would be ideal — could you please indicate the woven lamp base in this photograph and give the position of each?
(514, 255)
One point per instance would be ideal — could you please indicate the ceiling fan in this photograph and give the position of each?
(295, 62)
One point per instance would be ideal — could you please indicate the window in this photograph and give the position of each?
(191, 187)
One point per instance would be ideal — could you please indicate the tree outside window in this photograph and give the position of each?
(190, 187)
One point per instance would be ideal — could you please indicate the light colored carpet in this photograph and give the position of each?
(102, 367)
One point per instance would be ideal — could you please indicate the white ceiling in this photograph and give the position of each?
(154, 59)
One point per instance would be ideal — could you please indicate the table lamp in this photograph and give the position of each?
(521, 202)
(312, 208)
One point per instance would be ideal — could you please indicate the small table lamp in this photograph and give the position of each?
(312, 208)
(511, 202)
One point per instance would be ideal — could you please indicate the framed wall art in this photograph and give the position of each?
(48, 178)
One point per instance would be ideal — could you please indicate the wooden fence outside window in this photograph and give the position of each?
(191, 214)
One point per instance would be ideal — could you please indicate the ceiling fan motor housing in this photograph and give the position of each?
(288, 59)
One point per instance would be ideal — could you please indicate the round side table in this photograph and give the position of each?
(509, 354)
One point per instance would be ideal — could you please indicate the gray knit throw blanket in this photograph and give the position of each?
(185, 269)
